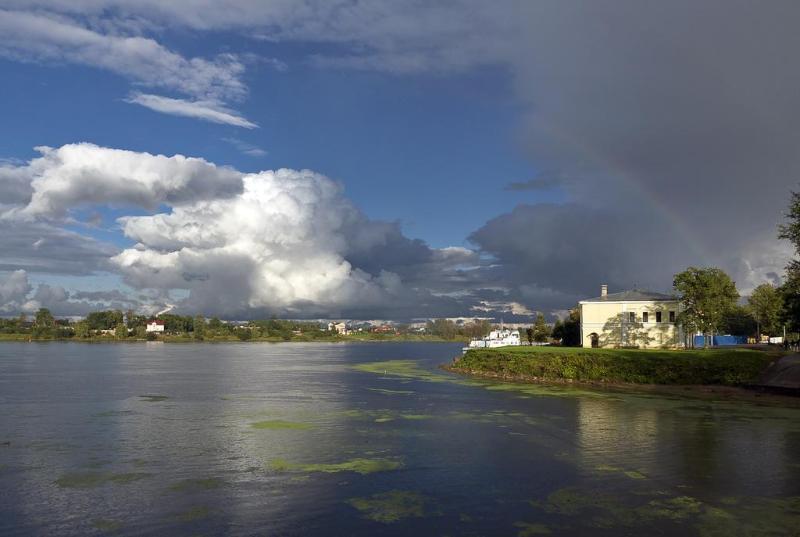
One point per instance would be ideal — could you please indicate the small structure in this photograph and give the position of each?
(635, 319)
(339, 328)
(155, 326)
(497, 338)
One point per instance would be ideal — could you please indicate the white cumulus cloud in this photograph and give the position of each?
(279, 246)
(83, 173)
(206, 110)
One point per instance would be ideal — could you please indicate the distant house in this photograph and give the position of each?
(339, 328)
(635, 319)
(155, 326)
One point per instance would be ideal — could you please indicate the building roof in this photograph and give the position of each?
(634, 295)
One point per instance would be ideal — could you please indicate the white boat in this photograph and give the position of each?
(496, 338)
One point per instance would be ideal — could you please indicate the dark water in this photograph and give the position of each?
(292, 439)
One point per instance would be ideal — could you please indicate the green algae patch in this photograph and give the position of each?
(754, 517)
(359, 466)
(383, 415)
(106, 524)
(280, 424)
(527, 529)
(153, 398)
(190, 485)
(409, 369)
(392, 506)
(86, 480)
(750, 516)
(633, 474)
(195, 513)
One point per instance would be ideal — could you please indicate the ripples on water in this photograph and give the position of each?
(318, 439)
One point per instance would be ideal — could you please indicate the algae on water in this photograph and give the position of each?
(280, 424)
(95, 479)
(527, 529)
(359, 466)
(105, 524)
(391, 506)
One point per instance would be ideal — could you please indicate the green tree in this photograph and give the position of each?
(707, 294)
(790, 290)
(121, 331)
(199, 327)
(540, 329)
(44, 319)
(765, 304)
(568, 331)
(82, 329)
(738, 321)
(529, 335)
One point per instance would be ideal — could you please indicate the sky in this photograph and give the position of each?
(388, 160)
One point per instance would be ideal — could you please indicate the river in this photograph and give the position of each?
(368, 439)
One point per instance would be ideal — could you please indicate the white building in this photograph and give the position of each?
(156, 326)
(339, 328)
(636, 319)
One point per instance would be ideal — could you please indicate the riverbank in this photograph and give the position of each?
(722, 367)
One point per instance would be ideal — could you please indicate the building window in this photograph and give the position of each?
(645, 316)
(672, 316)
(658, 316)
(632, 317)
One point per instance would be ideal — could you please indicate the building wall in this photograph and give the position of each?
(611, 322)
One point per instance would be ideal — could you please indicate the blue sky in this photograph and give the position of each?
(416, 149)
(631, 153)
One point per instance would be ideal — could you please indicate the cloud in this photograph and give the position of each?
(17, 295)
(246, 148)
(44, 248)
(205, 110)
(83, 174)
(35, 36)
(282, 246)
(14, 290)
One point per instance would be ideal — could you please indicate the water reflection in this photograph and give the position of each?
(290, 439)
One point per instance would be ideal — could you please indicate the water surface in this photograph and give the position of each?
(368, 439)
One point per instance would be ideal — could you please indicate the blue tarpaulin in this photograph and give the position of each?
(720, 340)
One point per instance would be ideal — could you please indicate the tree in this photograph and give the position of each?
(199, 327)
(568, 331)
(738, 321)
(540, 329)
(765, 304)
(529, 334)
(790, 290)
(44, 319)
(81, 329)
(121, 331)
(707, 294)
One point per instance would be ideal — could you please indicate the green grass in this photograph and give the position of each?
(729, 367)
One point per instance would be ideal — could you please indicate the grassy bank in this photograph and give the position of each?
(729, 367)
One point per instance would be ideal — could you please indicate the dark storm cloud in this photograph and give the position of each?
(40, 247)
(688, 109)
